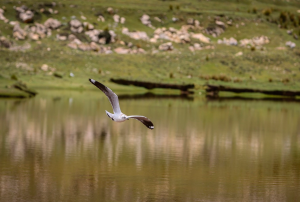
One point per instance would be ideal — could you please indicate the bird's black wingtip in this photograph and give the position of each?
(92, 81)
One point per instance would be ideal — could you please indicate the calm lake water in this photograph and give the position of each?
(64, 148)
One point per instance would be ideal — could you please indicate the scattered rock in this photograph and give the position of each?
(145, 19)
(18, 32)
(93, 34)
(157, 19)
(166, 46)
(110, 10)
(52, 23)
(195, 47)
(84, 47)
(34, 36)
(88, 26)
(255, 41)
(229, 42)
(171, 34)
(95, 47)
(2, 17)
(26, 16)
(116, 18)
(71, 37)
(289, 32)
(101, 18)
(190, 21)
(239, 54)
(220, 24)
(290, 44)
(102, 41)
(77, 41)
(112, 36)
(72, 45)
(140, 50)
(138, 35)
(229, 22)
(216, 29)
(5, 42)
(122, 20)
(61, 37)
(193, 22)
(121, 50)
(201, 37)
(76, 26)
(44, 67)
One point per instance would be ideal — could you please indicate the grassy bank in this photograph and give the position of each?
(272, 67)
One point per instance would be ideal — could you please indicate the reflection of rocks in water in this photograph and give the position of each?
(77, 151)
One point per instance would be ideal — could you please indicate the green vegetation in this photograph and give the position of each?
(273, 66)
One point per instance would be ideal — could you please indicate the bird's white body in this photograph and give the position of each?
(118, 116)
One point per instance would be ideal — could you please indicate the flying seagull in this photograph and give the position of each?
(114, 101)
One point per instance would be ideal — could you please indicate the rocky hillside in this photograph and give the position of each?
(245, 43)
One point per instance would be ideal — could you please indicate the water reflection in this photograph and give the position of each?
(67, 149)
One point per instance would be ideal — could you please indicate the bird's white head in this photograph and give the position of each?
(92, 80)
(124, 117)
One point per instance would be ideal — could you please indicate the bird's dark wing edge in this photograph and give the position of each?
(144, 120)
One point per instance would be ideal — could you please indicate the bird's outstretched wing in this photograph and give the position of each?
(113, 98)
(144, 120)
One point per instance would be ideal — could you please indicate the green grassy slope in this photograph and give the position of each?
(269, 68)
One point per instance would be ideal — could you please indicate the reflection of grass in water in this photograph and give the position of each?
(76, 146)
